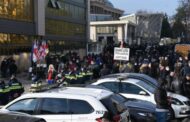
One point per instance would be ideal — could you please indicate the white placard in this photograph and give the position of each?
(121, 54)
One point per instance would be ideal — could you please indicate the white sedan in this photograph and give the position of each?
(136, 87)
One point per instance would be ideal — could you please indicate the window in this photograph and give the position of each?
(130, 88)
(56, 27)
(113, 86)
(17, 9)
(147, 85)
(114, 104)
(61, 8)
(54, 106)
(25, 106)
(80, 107)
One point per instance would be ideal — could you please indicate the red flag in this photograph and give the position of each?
(35, 52)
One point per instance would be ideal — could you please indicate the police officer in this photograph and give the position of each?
(16, 88)
(4, 93)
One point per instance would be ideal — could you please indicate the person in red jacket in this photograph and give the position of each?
(51, 74)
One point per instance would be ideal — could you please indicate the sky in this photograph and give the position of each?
(131, 6)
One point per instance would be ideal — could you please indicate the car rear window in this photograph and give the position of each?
(114, 104)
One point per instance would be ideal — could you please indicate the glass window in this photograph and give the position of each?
(130, 88)
(114, 103)
(148, 86)
(25, 106)
(80, 107)
(62, 8)
(54, 106)
(113, 86)
(56, 27)
(16, 9)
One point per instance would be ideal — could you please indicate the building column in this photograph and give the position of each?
(120, 33)
(87, 25)
(126, 31)
(39, 16)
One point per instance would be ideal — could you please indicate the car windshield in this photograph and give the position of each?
(148, 86)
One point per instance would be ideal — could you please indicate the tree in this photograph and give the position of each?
(182, 17)
(166, 30)
(181, 13)
(178, 29)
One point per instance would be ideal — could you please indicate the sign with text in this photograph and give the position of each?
(121, 54)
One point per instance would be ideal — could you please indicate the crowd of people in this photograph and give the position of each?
(8, 67)
(159, 62)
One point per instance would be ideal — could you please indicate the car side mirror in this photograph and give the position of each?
(142, 93)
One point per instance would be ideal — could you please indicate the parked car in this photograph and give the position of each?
(139, 110)
(71, 104)
(18, 117)
(140, 86)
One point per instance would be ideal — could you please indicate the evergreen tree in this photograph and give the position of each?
(178, 29)
(166, 30)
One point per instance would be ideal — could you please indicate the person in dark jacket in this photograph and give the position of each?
(162, 102)
(4, 68)
(104, 71)
(145, 67)
(186, 85)
(185, 69)
(4, 93)
(12, 68)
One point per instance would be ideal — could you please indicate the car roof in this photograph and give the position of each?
(128, 80)
(96, 93)
(87, 94)
(131, 75)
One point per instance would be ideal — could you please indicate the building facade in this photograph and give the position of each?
(64, 23)
(148, 29)
(103, 10)
(110, 32)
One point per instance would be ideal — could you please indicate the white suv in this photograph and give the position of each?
(72, 105)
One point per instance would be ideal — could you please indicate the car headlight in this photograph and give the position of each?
(176, 101)
(145, 114)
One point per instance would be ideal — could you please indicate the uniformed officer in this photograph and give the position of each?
(16, 88)
(4, 93)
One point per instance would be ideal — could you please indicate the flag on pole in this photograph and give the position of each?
(44, 49)
(35, 51)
